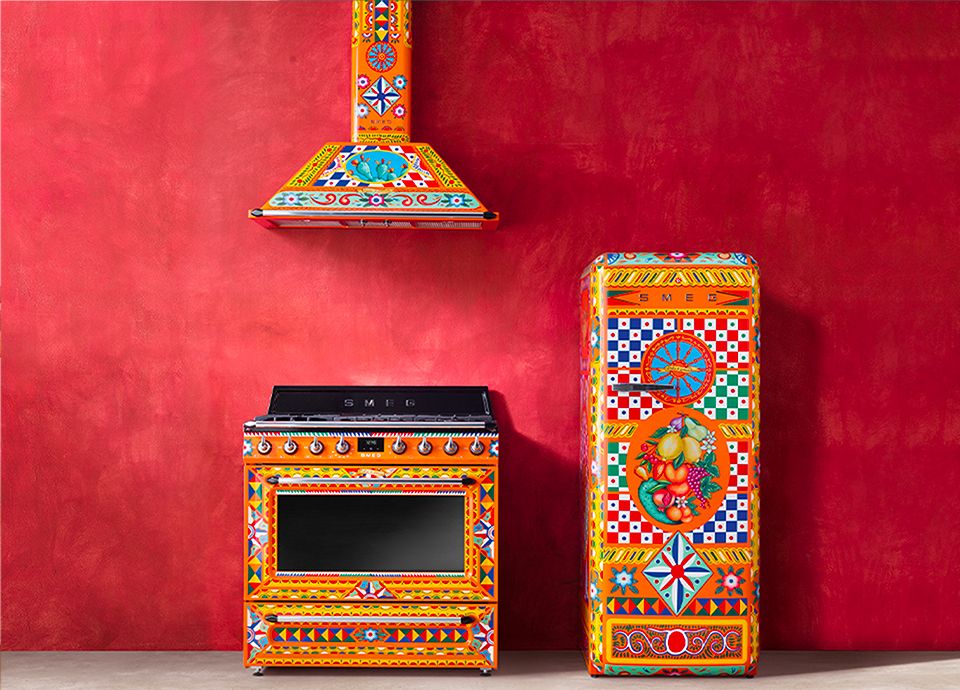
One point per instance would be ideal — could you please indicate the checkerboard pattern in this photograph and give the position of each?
(628, 338)
(729, 525)
(728, 339)
(729, 397)
(739, 464)
(625, 522)
(628, 405)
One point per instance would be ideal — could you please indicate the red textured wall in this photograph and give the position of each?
(144, 318)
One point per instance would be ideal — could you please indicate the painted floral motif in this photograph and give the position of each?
(723, 258)
(678, 466)
(247, 447)
(290, 199)
(453, 200)
(369, 635)
(381, 56)
(624, 580)
(399, 111)
(730, 581)
(362, 110)
(399, 82)
(353, 199)
(363, 81)
(677, 257)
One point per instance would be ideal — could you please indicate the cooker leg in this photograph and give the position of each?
(257, 670)
(486, 671)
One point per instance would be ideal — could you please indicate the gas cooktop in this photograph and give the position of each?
(377, 407)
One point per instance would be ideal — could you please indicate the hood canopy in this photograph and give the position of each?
(379, 179)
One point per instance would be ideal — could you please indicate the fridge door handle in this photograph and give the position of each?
(640, 387)
(402, 481)
(435, 620)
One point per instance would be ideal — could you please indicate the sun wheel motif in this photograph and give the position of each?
(682, 361)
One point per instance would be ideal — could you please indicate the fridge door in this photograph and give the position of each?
(670, 380)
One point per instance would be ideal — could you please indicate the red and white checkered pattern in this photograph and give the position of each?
(739, 464)
(728, 339)
(627, 406)
(417, 179)
(626, 524)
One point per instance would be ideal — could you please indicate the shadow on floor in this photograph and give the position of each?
(784, 663)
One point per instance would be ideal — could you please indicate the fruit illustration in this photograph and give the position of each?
(670, 446)
(691, 449)
(678, 469)
(676, 474)
(663, 498)
(694, 430)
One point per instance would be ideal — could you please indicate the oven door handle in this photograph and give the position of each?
(435, 620)
(640, 387)
(404, 481)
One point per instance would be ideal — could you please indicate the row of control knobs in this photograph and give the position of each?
(399, 446)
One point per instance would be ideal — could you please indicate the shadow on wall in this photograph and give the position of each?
(539, 540)
(789, 439)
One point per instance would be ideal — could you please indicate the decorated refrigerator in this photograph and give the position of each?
(669, 463)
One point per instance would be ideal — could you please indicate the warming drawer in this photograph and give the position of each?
(368, 634)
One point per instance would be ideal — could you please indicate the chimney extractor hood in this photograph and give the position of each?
(380, 179)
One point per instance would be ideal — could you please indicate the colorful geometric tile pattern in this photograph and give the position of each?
(625, 523)
(624, 406)
(655, 606)
(366, 633)
(730, 524)
(739, 464)
(729, 397)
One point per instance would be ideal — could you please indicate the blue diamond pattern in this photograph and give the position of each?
(677, 573)
(381, 95)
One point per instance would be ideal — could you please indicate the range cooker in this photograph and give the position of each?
(371, 528)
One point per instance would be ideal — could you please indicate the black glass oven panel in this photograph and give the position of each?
(379, 400)
(370, 533)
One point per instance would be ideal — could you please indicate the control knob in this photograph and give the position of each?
(477, 446)
(290, 447)
(316, 447)
(264, 446)
(399, 447)
(425, 447)
(342, 446)
(450, 447)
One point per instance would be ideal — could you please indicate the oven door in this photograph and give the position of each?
(351, 532)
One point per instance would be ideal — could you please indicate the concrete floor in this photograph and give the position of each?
(527, 670)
